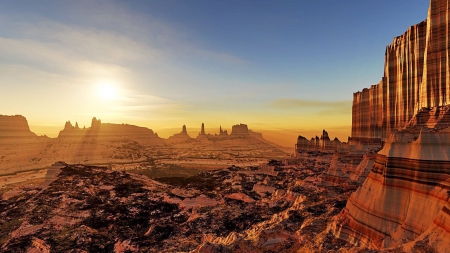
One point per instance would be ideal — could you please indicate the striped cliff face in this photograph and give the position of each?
(416, 76)
(405, 196)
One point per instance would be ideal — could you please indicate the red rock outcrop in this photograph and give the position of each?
(99, 130)
(15, 126)
(405, 197)
(435, 90)
(392, 102)
(179, 137)
(416, 76)
(240, 129)
(222, 132)
(405, 194)
(202, 131)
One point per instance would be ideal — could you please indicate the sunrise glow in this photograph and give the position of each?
(107, 90)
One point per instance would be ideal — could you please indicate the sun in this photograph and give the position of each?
(107, 91)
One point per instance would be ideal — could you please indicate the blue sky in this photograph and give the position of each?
(276, 65)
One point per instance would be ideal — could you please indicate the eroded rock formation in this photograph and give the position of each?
(392, 102)
(14, 126)
(106, 131)
(405, 198)
(240, 129)
(222, 132)
(179, 137)
(202, 131)
(405, 194)
(324, 143)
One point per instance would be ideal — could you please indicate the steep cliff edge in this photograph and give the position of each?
(405, 194)
(404, 202)
(392, 102)
(416, 76)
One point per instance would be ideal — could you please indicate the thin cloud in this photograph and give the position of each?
(292, 103)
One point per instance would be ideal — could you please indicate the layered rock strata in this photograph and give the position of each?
(416, 76)
(405, 197)
(392, 102)
(405, 194)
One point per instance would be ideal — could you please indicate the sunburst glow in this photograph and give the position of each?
(107, 91)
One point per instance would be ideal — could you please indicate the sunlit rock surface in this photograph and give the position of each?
(416, 76)
(404, 201)
(94, 209)
(404, 197)
(405, 194)
(392, 102)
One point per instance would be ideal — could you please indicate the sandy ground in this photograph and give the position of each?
(12, 184)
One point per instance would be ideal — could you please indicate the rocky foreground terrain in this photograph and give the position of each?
(276, 207)
(279, 207)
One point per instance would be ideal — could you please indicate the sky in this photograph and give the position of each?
(284, 68)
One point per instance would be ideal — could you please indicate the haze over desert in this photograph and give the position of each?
(225, 126)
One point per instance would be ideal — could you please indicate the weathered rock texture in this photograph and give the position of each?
(405, 194)
(273, 208)
(416, 75)
(405, 197)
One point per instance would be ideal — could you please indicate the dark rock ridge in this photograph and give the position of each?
(105, 130)
(240, 129)
(202, 131)
(324, 143)
(15, 126)
(222, 132)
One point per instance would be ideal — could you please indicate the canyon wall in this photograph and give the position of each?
(406, 194)
(416, 76)
(392, 102)
(405, 198)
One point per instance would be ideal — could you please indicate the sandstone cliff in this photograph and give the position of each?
(405, 196)
(392, 102)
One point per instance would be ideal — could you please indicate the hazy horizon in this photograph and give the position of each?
(282, 137)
